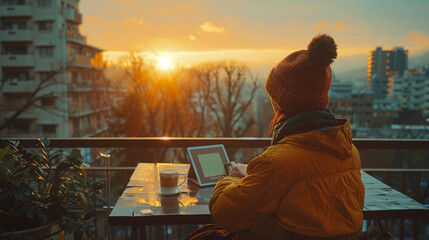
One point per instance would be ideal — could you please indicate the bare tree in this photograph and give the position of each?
(209, 99)
(32, 99)
(228, 91)
(150, 102)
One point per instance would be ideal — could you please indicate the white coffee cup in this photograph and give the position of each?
(169, 179)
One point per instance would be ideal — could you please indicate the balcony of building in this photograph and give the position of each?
(44, 14)
(82, 61)
(47, 38)
(80, 87)
(47, 118)
(24, 60)
(73, 16)
(14, 85)
(16, 35)
(46, 64)
(24, 10)
(109, 168)
(12, 106)
(80, 111)
(75, 36)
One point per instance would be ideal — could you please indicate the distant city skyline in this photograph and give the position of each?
(255, 32)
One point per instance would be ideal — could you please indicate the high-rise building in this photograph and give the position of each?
(412, 90)
(49, 70)
(382, 66)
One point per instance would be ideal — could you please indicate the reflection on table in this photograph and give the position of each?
(140, 203)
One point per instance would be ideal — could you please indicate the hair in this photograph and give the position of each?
(278, 117)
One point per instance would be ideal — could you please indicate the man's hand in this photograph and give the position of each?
(238, 169)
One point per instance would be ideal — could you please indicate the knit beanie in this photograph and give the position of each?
(301, 81)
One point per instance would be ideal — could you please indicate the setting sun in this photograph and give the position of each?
(164, 63)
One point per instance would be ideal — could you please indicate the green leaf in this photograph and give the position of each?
(3, 153)
(45, 142)
(84, 199)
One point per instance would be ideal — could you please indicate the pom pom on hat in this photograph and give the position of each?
(301, 81)
(322, 50)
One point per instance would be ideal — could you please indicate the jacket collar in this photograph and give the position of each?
(304, 122)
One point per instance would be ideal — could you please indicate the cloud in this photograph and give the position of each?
(192, 37)
(126, 2)
(322, 26)
(91, 19)
(418, 40)
(326, 26)
(211, 28)
(339, 25)
(133, 20)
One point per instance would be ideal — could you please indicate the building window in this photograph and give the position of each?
(44, 3)
(75, 76)
(16, 76)
(48, 101)
(46, 26)
(46, 51)
(13, 2)
(15, 50)
(14, 25)
(49, 128)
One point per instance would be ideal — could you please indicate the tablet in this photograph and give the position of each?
(208, 164)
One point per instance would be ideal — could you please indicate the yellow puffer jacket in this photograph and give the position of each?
(309, 183)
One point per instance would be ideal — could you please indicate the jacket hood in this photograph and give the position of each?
(336, 140)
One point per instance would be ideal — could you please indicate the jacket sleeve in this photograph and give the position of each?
(236, 202)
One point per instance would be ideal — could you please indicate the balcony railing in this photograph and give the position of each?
(15, 35)
(17, 60)
(73, 15)
(15, 10)
(412, 182)
(75, 36)
(16, 86)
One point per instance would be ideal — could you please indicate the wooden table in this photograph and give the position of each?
(384, 202)
(141, 205)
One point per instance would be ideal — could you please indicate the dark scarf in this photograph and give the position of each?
(303, 122)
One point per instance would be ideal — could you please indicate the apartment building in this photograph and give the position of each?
(340, 99)
(412, 90)
(45, 58)
(382, 66)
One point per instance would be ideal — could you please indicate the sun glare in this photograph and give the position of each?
(164, 63)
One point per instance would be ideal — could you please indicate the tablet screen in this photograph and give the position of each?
(211, 164)
(208, 163)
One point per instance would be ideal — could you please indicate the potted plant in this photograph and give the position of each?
(41, 187)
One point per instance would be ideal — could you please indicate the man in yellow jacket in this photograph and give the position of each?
(307, 183)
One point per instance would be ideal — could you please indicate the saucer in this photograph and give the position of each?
(172, 193)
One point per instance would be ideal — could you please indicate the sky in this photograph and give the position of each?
(256, 32)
